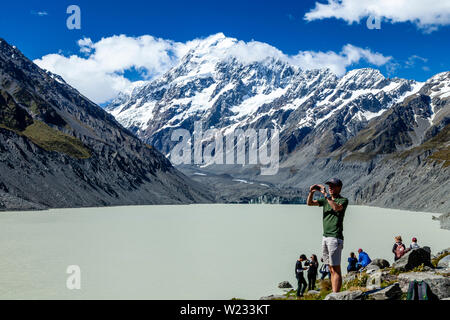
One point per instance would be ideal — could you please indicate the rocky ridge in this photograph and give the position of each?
(58, 149)
(380, 281)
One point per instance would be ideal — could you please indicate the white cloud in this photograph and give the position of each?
(248, 52)
(338, 62)
(428, 15)
(99, 72)
(40, 13)
(99, 75)
(413, 60)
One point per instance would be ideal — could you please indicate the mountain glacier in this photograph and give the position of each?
(354, 126)
(217, 86)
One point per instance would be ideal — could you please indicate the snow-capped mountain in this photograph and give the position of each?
(376, 133)
(408, 124)
(216, 85)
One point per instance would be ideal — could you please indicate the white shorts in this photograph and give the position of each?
(332, 250)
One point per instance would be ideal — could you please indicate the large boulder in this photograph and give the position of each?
(392, 292)
(386, 276)
(312, 293)
(439, 284)
(371, 268)
(345, 295)
(444, 262)
(284, 285)
(380, 263)
(414, 258)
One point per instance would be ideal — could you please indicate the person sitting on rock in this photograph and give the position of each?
(352, 261)
(299, 275)
(363, 259)
(399, 249)
(414, 244)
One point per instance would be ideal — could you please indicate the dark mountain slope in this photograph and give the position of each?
(58, 149)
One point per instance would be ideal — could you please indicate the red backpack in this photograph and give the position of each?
(400, 250)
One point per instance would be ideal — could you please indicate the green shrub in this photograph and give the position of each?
(420, 268)
(360, 281)
(395, 272)
(385, 284)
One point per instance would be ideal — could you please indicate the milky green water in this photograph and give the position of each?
(184, 252)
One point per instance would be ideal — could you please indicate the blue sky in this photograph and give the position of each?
(418, 49)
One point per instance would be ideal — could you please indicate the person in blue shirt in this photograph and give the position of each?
(352, 261)
(363, 259)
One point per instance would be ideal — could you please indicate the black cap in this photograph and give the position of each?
(335, 182)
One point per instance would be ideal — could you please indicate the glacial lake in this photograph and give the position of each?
(184, 252)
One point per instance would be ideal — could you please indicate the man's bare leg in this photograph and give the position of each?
(336, 278)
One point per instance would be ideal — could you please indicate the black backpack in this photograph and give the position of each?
(420, 290)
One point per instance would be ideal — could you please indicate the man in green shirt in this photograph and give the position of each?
(334, 206)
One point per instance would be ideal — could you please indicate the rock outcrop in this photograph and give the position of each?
(392, 292)
(388, 283)
(444, 262)
(284, 285)
(380, 263)
(413, 259)
(345, 295)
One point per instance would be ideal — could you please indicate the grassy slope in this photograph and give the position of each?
(53, 140)
(15, 118)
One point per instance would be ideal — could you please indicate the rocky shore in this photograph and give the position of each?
(382, 281)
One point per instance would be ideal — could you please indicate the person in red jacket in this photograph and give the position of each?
(363, 259)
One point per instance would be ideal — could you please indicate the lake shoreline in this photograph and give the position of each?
(143, 252)
(203, 204)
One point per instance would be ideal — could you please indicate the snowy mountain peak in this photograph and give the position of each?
(213, 42)
(362, 78)
(438, 86)
(440, 77)
(215, 85)
(225, 84)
